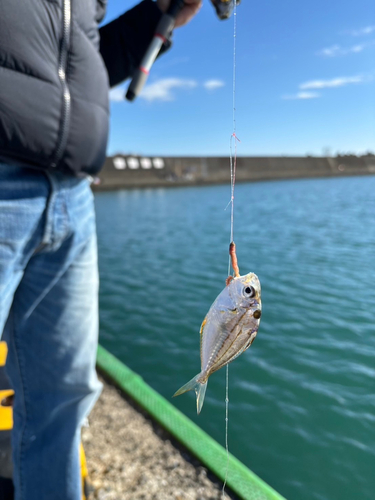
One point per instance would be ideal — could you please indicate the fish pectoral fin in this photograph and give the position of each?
(200, 390)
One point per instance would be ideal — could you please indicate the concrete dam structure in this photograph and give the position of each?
(133, 171)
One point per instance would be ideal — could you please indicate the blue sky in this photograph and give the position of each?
(305, 83)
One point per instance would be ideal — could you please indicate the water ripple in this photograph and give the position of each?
(302, 399)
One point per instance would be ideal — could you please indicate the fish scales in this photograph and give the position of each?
(228, 329)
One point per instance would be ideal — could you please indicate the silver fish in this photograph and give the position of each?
(228, 329)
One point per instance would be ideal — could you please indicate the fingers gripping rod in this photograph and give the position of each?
(163, 29)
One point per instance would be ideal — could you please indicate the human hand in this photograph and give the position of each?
(190, 9)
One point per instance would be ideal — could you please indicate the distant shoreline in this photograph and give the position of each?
(132, 171)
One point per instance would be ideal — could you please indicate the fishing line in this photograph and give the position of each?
(233, 165)
(233, 137)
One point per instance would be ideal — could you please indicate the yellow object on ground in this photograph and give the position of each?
(84, 472)
(3, 352)
(6, 412)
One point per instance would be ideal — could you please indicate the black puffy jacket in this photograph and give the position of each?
(55, 69)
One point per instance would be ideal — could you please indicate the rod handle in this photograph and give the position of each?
(136, 85)
(163, 29)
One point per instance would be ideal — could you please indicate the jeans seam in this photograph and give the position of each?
(24, 391)
(49, 229)
(66, 221)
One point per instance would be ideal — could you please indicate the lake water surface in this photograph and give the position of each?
(302, 398)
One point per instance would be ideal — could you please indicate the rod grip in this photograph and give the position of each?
(163, 29)
(136, 85)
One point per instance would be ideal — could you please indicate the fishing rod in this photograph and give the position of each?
(163, 30)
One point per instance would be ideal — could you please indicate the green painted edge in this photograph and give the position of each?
(241, 480)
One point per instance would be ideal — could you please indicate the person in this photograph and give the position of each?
(55, 69)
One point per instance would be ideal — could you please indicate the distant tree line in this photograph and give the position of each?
(348, 155)
(368, 154)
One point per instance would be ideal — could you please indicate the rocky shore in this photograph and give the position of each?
(130, 457)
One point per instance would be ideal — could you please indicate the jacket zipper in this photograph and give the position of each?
(63, 63)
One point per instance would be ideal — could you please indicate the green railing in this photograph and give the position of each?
(241, 480)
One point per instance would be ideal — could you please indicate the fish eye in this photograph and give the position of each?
(249, 292)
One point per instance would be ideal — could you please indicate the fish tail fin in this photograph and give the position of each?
(200, 391)
(198, 386)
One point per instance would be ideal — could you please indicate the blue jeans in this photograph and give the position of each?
(49, 316)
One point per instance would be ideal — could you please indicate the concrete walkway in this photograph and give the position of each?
(130, 457)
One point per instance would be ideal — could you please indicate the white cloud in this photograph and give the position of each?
(162, 90)
(117, 94)
(302, 95)
(367, 30)
(213, 84)
(357, 48)
(334, 82)
(337, 50)
(330, 51)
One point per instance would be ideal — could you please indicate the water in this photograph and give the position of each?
(302, 398)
